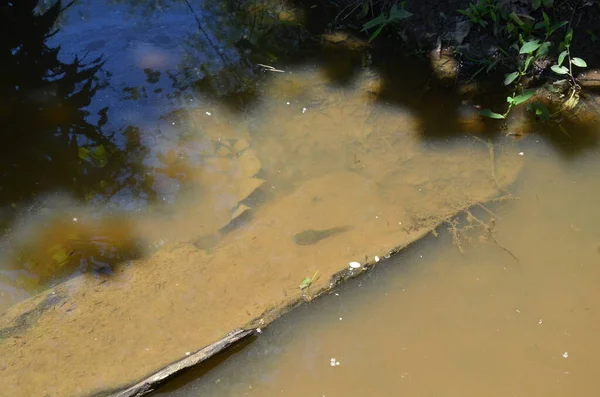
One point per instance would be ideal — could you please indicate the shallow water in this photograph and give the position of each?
(172, 151)
(162, 148)
(433, 321)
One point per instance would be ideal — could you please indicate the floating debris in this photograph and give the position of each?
(354, 265)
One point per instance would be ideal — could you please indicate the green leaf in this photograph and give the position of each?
(548, 3)
(509, 78)
(543, 50)
(562, 46)
(84, 153)
(535, 4)
(546, 22)
(557, 26)
(561, 57)
(579, 62)
(380, 20)
(529, 47)
(519, 99)
(510, 28)
(397, 13)
(376, 33)
(559, 69)
(515, 18)
(569, 37)
(493, 15)
(539, 25)
(539, 109)
(490, 114)
(306, 283)
(527, 63)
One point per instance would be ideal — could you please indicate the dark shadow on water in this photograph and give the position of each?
(444, 110)
(49, 142)
(48, 146)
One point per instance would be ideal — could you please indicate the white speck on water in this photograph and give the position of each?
(74, 219)
(187, 353)
(565, 355)
(376, 217)
(376, 258)
(517, 310)
(354, 265)
(303, 110)
(259, 330)
(521, 153)
(336, 294)
(208, 113)
(287, 103)
(340, 319)
(333, 362)
(540, 321)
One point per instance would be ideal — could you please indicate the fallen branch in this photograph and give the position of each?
(269, 68)
(151, 383)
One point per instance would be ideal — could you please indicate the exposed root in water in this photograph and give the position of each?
(490, 146)
(455, 231)
(462, 232)
(488, 230)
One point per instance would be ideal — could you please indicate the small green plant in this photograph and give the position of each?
(396, 14)
(559, 68)
(563, 70)
(307, 282)
(477, 12)
(531, 49)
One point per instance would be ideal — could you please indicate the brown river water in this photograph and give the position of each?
(169, 213)
(432, 321)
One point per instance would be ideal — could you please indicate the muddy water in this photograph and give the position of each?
(433, 321)
(206, 198)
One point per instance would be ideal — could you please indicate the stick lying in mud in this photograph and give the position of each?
(151, 383)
